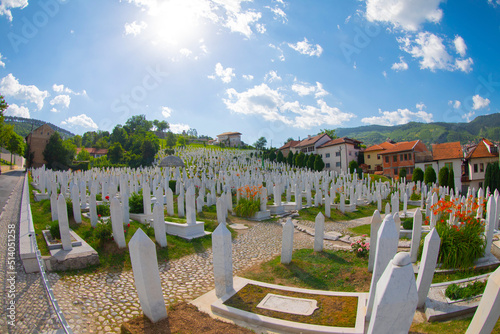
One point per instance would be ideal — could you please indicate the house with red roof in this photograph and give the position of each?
(476, 160)
(230, 139)
(372, 156)
(337, 153)
(401, 156)
(310, 144)
(94, 152)
(285, 149)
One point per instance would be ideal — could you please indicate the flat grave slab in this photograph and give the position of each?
(293, 305)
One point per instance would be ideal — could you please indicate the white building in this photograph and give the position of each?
(310, 144)
(337, 153)
(477, 159)
(230, 139)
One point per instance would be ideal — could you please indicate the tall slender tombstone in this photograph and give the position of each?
(147, 276)
(328, 208)
(287, 242)
(387, 246)
(490, 224)
(387, 210)
(222, 260)
(319, 232)
(379, 202)
(170, 201)
(397, 222)
(405, 204)
(159, 224)
(374, 227)
(342, 203)
(263, 199)
(53, 206)
(221, 210)
(416, 235)
(62, 215)
(93, 210)
(190, 206)
(396, 298)
(146, 198)
(427, 266)
(126, 206)
(75, 198)
(488, 311)
(497, 206)
(180, 203)
(117, 223)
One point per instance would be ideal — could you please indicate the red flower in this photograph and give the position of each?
(107, 197)
(99, 216)
(128, 225)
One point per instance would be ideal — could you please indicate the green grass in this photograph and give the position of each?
(449, 327)
(327, 270)
(361, 229)
(461, 274)
(361, 211)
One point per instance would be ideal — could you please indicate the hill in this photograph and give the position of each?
(487, 126)
(23, 126)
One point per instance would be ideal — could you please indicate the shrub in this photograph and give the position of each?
(69, 208)
(136, 203)
(415, 197)
(249, 202)
(54, 230)
(103, 231)
(456, 292)
(418, 175)
(443, 176)
(98, 197)
(172, 184)
(361, 247)
(429, 175)
(402, 174)
(407, 224)
(103, 210)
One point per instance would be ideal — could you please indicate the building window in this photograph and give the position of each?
(387, 159)
(368, 156)
(327, 165)
(337, 154)
(475, 168)
(378, 156)
(369, 166)
(481, 167)
(400, 157)
(337, 164)
(350, 153)
(396, 171)
(406, 157)
(327, 155)
(449, 165)
(356, 153)
(395, 158)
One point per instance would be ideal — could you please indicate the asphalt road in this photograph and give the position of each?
(7, 182)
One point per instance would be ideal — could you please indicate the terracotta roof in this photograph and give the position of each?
(481, 150)
(311, 141)
(379, 147)
(291, 143)
(401, 147)
(446, 151)
(229, 134)
(92, 150)
(340, 141)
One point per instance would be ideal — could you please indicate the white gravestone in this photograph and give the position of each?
(62, 214)
(159, 224)
(222, 260)
(117, 223)
(375, 223)
(287, 242)
(427, 266)
(319, 232)
(93, 210)
(416, 235)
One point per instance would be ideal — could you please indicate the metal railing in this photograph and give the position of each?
(46, 284)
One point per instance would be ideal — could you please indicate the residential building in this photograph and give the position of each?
(94, 152)
(285, 149)
(401, 155)
(337, 153)
(231, 139)
(310, 144)
(372, 156)
(476, 160)
(445, 154)
(37, 141)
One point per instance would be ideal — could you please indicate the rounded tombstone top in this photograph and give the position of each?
(171, 161)
(401, 259)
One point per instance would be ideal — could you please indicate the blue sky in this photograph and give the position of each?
(276, 69)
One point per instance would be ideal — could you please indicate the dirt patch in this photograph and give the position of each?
(182, 318)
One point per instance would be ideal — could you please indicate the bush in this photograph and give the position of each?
(98, 197)
(456, 292)
(103, 231)
(172, 184)
(418, 175)
(430, 175)
(402, 174)
(443, 176)
(54, 230)
(69, 208)
(103, 210)
(246, 207)
(136, 202)
(360, 247)
(415, 197)
(407, 224)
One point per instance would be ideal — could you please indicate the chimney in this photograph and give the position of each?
(308, 136)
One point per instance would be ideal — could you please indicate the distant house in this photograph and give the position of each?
(310, 144)
(476, 160)
(94, 152)
(285, 149)
(372, 156)
(443, 155)
(231, 139)
(337, 153)
(402, 156)
(37, 141)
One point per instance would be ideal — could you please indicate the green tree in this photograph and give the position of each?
(171, 140)
(280, 157)
(137, 123)
(318, 163)
(290, 158)
(289, 140)
(492, 177)
(181, 141)
(443, 176)
(15, 145)
(3, 107)
(451, 179)
(162, 126)
(56, 153)
(329, 132)
(418, 175)
(299, 159)
(260, 143)
(272, 155)
(402, 174)
(119, 135)
(115, 153)
(353, 166)
(149, 148)
(77, 140)
(310, 162)
(83, 155)
(429, 175)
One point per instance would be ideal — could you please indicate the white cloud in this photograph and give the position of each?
(304, 89)
(18, 111)
(272, 76)
(81, 120)
(7, 5)
(54, 110)
(281, 56)
(404, 14)
(270, 104)
(166, 112)
(432, 53)
(384, 73)
(261, 28)
(185, 52)
(248, 77)
(420, 106)
(241, 21)
(455, 104)
(62, 89)
(469, 116)
(494, 3)
(460, 46)
(479, 102)
(10, 86)
(2, 64)
(63, 100)
(307, 49)
(135, 28)
(279, 14)
(179, 127)
(225, 74)
(401, 66)
(400, 116)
